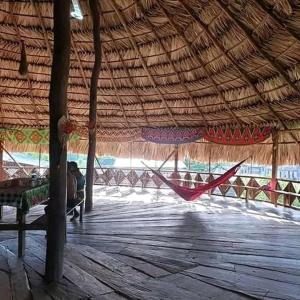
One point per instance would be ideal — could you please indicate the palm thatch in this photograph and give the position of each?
(164, 63)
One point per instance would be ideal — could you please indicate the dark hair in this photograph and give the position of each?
(73, 164)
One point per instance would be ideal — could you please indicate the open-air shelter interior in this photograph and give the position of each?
(203, 81)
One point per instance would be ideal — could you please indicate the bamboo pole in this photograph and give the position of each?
(95, 12)
(57, 145)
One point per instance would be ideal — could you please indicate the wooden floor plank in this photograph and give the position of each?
(129, 247)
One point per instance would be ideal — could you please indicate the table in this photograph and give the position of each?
(23, 198)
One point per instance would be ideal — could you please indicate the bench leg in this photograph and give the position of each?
(81, 212)
(21, 232)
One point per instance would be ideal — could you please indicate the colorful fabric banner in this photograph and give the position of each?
(172, 135)
(118, 135)
(30, 136)
(237, 136)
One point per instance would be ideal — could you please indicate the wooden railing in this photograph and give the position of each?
(246, 187)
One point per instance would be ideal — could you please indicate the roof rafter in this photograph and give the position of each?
(115, 88)
(45, 35)
(231, 59)
(269, 11)
(48, 45)
(256, 46)
(142, 60)
(140, 6)
(84, 79)
(200, 62)
(13, 18)
(137, 95)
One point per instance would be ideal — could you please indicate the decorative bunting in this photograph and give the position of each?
(172, 135)
(118, 135)
(237, 136)
(30, 136)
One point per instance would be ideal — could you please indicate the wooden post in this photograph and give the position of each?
(57, 146)
(275, 137)
(1, 173)
(21, 218)
(1, 161)
(95, 12)
(176, 159)
(40, 153)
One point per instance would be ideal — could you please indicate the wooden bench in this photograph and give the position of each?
(42, 220)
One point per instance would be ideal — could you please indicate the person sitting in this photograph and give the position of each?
(71, 193)
(80, 184)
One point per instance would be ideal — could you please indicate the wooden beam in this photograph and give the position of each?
(48, 46)
(229, 57)
(45, 35)
(95, 12)
(200, 62)
(171, 63)
(83, 76)
(116, 89)
(142, 59)
(1, 162)
(57, 147)
(136, 93)
(18, 33)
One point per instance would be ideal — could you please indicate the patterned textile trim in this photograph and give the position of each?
(237, 136)
(172, 135)
(30, 136)
(118, 135)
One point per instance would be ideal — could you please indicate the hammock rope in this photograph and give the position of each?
(190, 194)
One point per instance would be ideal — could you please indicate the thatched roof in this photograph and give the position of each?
(165, 63)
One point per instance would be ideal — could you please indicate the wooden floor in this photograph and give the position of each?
(140, 245)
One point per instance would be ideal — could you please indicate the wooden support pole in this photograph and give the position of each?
(176, 159)
(95, 12)
(275, 136)
(57, 146)
(1, 161)
(1, 173)
(40, 153)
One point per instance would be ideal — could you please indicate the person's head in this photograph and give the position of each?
(72, 166)
(68, 167)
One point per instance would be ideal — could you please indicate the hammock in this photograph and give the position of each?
(189, 194)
